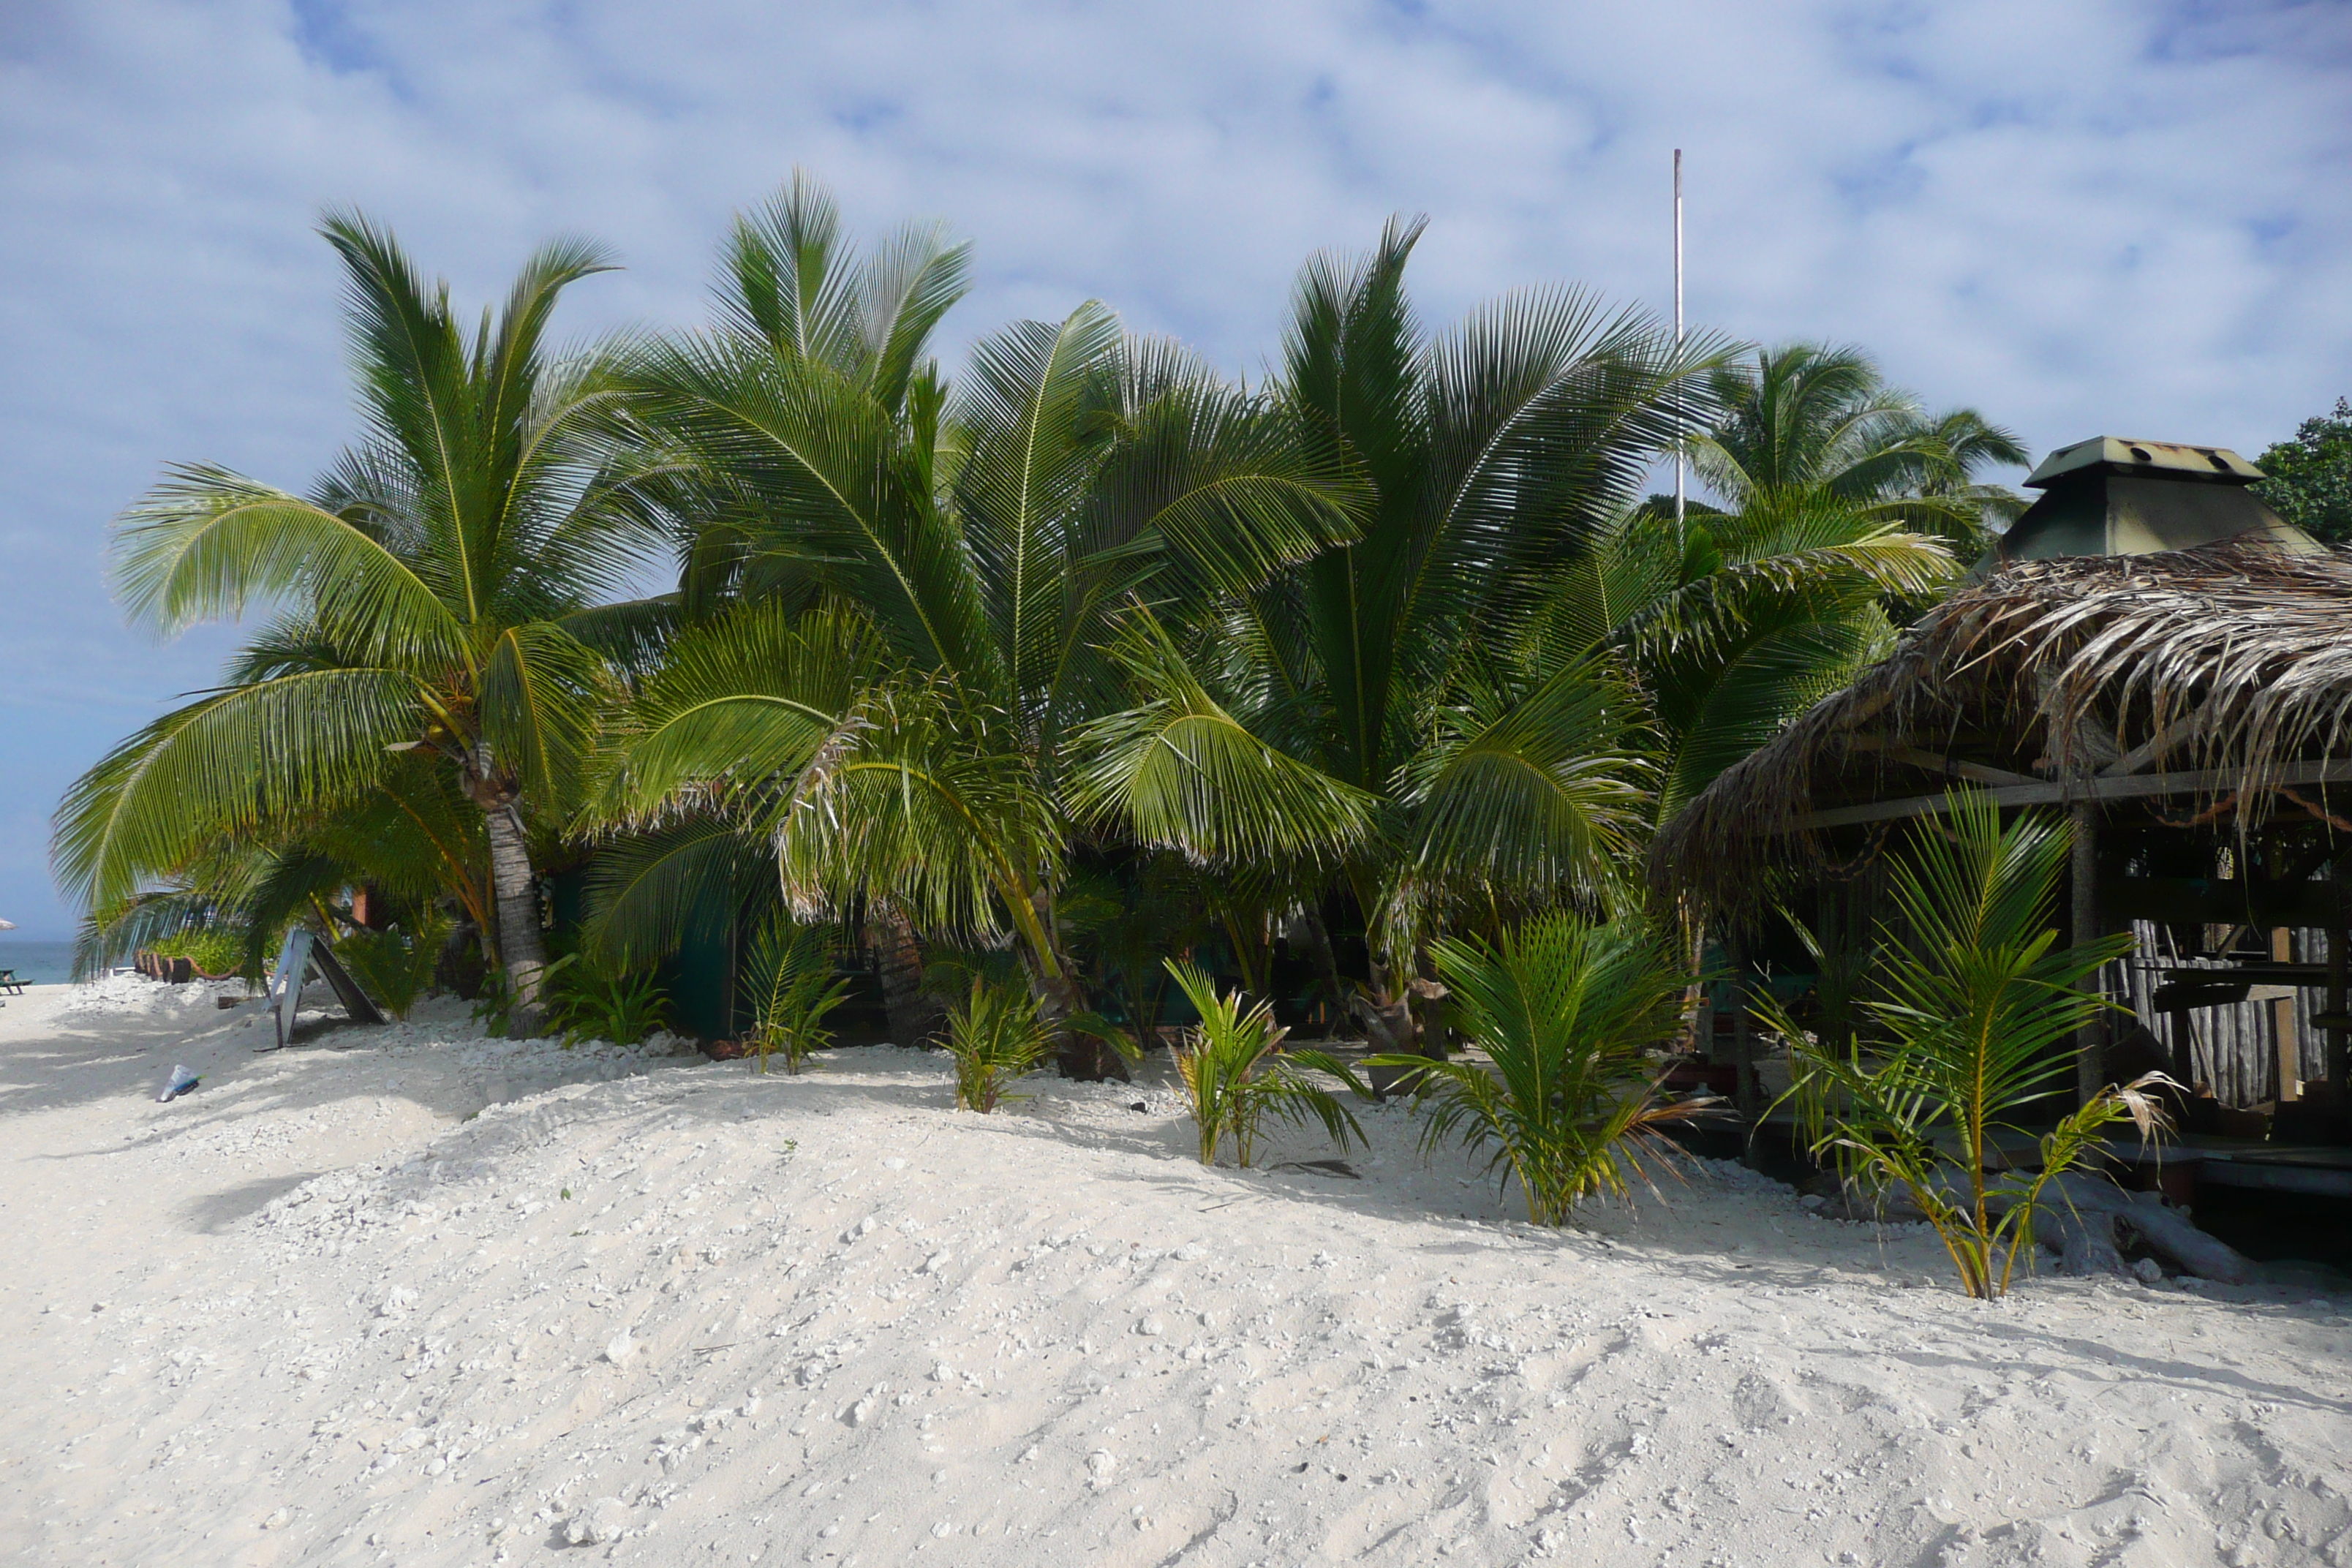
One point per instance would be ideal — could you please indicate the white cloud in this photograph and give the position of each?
(2076, 215)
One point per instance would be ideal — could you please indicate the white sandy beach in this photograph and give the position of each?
(410, 1296)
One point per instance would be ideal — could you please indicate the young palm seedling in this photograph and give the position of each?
(995, 1036)
(1974, 1006)
(1567, 1101)
(794, 988)
(1237, 1074)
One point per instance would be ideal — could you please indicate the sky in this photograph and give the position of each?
(2079, 216)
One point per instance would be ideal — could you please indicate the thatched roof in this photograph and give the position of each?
(2219, 672)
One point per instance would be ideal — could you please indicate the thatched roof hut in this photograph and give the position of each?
(2189, 684)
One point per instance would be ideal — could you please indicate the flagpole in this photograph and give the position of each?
(1678, 340)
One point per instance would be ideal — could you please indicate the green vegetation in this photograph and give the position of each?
(791, 980)
(394, 966)
(434, 624)
(995, 1036)
(2310, 481)
(1570, 1016)
(212, 951)
(1968, 1015)
(1236, 1074)
(588, 1000)
(1080, 670)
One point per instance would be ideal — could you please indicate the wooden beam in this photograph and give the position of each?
(2054, 792)
(2157, 747)
(1975, 772)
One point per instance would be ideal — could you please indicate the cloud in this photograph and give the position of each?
(2078, 215)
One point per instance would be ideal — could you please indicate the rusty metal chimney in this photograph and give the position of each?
(2109, 496)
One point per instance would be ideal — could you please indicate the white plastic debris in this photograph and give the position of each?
(182, 1080)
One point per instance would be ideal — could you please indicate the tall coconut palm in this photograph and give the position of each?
(1484, 663)
(1389, 665)
(922, 584)
(1747, 621)
(439, 589)
(1813, 417)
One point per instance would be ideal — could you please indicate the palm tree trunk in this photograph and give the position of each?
(1390, 1030)
(515, 891)
(913, 1016)
(1054, 981)
(1317, 938)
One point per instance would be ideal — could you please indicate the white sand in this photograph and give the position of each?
(321, 1311)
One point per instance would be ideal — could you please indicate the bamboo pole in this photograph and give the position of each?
(1678, 345)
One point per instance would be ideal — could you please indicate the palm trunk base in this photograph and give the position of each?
(522, 946)
(1391, 1029)
(914, 1018)
(1090, 1060)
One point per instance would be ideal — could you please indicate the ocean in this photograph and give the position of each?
(39, 963)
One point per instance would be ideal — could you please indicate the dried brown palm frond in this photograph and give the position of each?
(2234, 659)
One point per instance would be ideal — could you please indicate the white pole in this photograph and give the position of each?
(1678, 337)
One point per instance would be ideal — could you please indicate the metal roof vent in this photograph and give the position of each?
(2109, 496)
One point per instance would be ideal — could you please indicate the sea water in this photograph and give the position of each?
(39, 963)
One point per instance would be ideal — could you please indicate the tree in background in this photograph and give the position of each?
(2310, 481)
(1819, 420)
(436, 592)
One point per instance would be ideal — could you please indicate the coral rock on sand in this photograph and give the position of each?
(345, 1285)
(606, 1519)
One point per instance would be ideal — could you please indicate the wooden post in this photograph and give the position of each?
(2089, 1076)
(1702, 1040)
(1743, 1043)
(2290, 1047)
(2339, 1040)
(2184, 1049)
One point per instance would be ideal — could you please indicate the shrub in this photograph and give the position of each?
(215, 952)
(794, 988)
(1568, 1015)
(1975, 1005)
(995, 1036)
(589, 1002)
(1236, 1074)
(394, 966)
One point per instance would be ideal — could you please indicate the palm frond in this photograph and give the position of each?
(1180, 772)
(206, 543)
(1532, 797)
(743, 701)
(223, 765)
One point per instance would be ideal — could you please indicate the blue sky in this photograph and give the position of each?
(2078, 216)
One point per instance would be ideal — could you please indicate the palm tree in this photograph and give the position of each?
(1815, 418)
(439, 586)
(1401, 669)
(920, 582)
(1514, 665)
(1747, 621)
